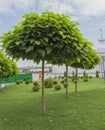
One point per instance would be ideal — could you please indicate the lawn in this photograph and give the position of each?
(20, 107)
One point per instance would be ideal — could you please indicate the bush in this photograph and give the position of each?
(27, 82)
(75, 81)
(55, 82)
(24, 79)
(97, 74)
(18, 82)
(57, 87)
(64, 85)
(62, 77)
(65, 74)
(85, 79)
(59, 77)
(30, 81)
(69, 77)
(35, 83)
(82, 77)
(62, 81)
(73, 77)
(73, 73)
(48, 83)
(84, 74)
(90, 77)
(36, 88)
(21, 81)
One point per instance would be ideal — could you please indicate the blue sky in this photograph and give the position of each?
(89, 13)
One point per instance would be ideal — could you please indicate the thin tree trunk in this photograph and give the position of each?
(0, 87)
(43, 100)
(67, 82)
(76, 79)
(5, 81)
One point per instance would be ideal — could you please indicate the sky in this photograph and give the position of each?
(89, 13)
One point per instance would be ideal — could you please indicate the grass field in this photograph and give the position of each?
(20, 108)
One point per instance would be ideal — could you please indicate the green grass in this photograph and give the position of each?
(20, 108)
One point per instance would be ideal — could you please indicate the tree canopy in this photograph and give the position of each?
(8, 68)
(44, 36)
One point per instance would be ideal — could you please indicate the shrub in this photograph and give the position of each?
(62, 81)
(65, 74)
(27, 82)
(24, 79)
(75, 81)
(35, 83)
(85, 79)
(62, 77)
(73, 77)
(90, 77)
(82, 77)
(18, 82)
(97, 74)
(48, 83)
(64, 85)
(57, 87)
(59, 77)
(69, 77)
(73, 73)
(30, 81)
(21, 81)
(55, 82)
(36, 88)
(84, 74)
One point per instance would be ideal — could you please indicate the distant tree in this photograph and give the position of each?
(8, 68)
(87, 61)
(97, 74)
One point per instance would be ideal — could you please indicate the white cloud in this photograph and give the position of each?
(56, 6)
(90, 7)
(74, 7)
(7, 6)
(85, 8)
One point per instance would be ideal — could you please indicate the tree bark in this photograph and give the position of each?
(67, 82)
(76, 79)
(43, 99)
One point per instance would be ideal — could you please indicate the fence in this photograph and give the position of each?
(17, 77)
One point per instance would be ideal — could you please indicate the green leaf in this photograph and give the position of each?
(42, 52)
(78, 60)
(62, 34)
(48, 49)
(32, 41)
(17, 43)
(46, 40)
(30, 48)
(37, 42)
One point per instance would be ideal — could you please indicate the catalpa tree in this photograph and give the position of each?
(87, 61)
(8, 68)
(46, 37)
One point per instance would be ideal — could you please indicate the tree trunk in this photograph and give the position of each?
(5, 81)
(76, 79)
(67, 81)
(0, 87)
(43, 100)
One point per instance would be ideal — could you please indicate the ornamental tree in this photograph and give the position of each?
(47, 37)
(8, 68)
(87, 61)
